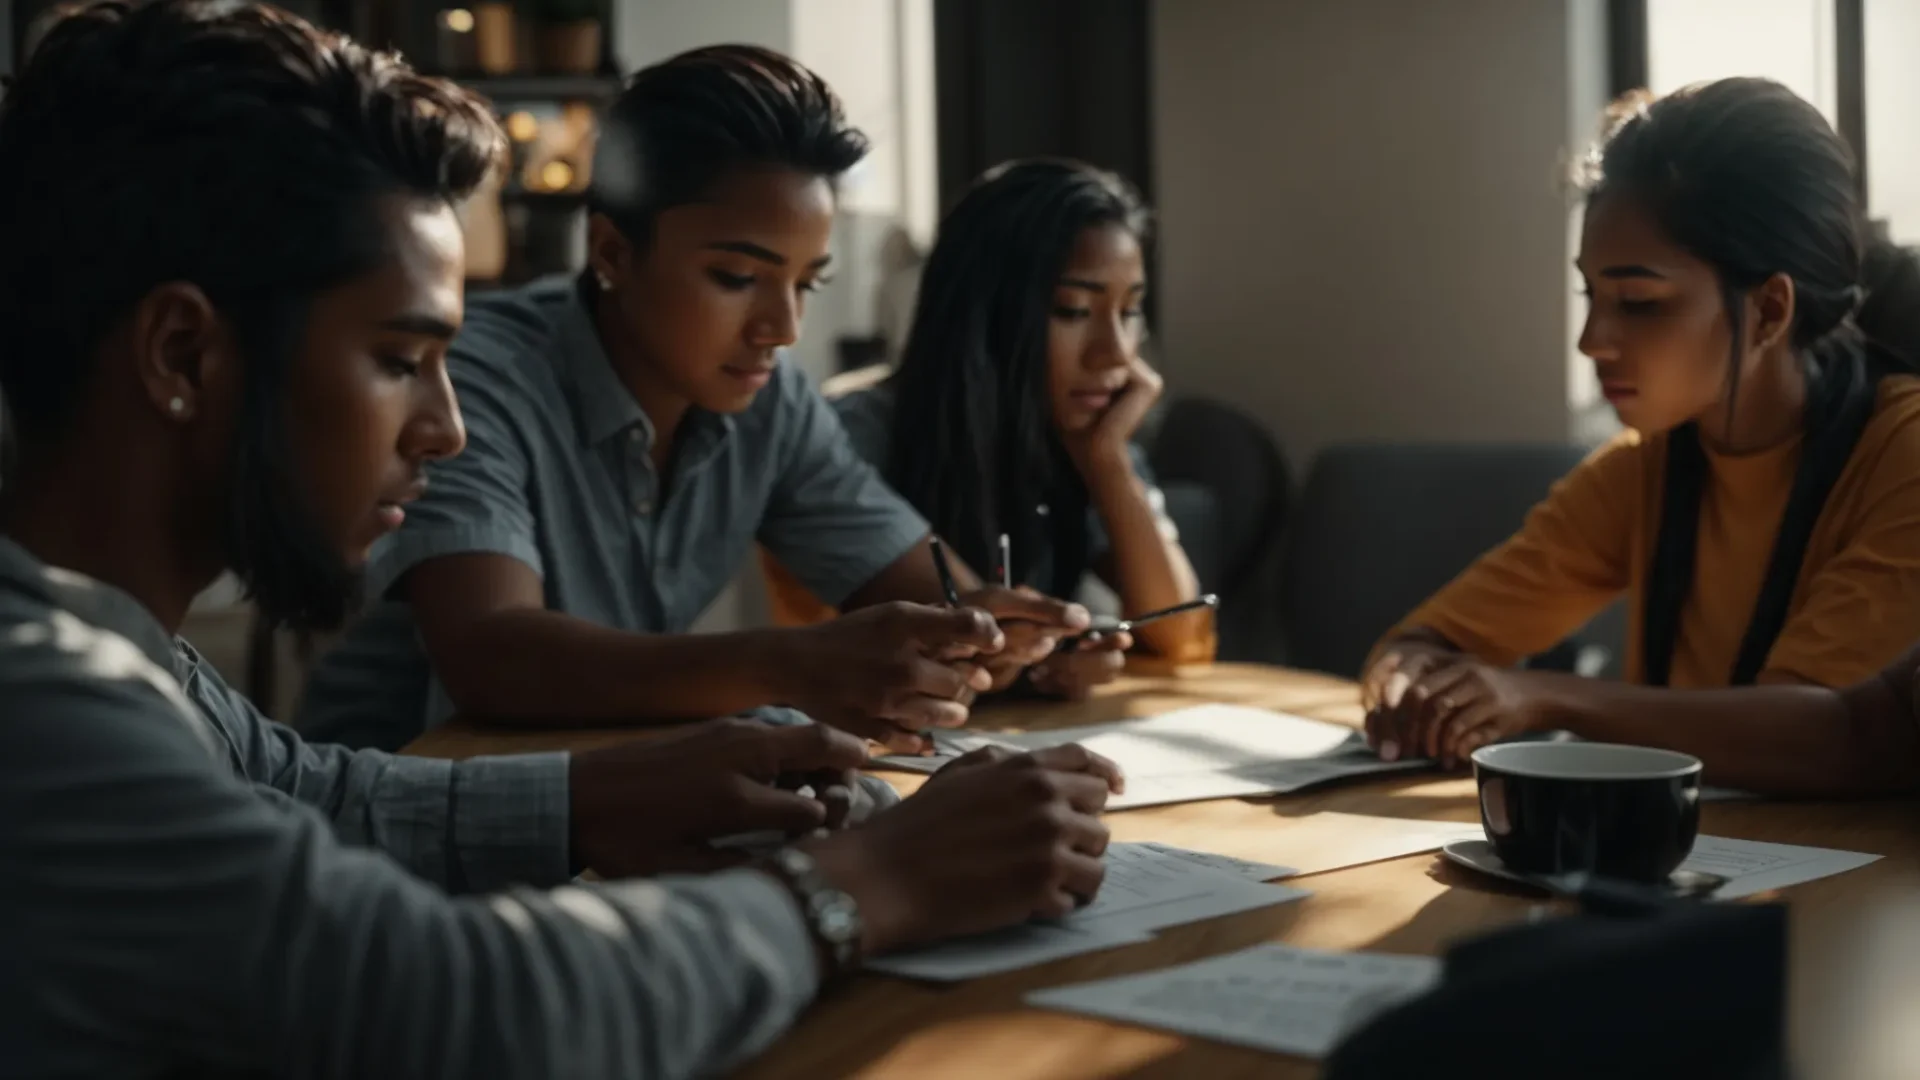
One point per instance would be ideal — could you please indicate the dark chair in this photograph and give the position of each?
(1229, 456)
(1382, 527)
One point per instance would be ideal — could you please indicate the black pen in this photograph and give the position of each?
(1127, 625)
(953, 600)
(946, 572)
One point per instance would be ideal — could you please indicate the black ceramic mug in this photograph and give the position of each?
(1628, 812)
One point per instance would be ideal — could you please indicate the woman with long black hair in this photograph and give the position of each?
(1018, 396)
(1762, 513)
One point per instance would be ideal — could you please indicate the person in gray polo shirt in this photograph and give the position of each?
(633, 432)
(239, 363)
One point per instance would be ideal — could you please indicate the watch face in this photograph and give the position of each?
(837, 923)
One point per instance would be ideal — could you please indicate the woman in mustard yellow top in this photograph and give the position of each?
(1762, 515)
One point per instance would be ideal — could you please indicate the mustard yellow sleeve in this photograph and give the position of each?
(1569, 561)
(1861, 610)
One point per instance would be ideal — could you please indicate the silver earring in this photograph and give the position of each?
(178, 406)
(600, 278)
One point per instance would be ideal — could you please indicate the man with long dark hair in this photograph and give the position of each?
(231, 270)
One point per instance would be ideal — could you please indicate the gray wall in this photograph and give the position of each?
(1364, 229)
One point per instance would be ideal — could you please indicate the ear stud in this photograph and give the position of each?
(177, 406)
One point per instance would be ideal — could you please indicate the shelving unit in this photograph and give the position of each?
(552, 118)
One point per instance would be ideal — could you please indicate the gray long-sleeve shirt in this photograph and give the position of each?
(186, 887)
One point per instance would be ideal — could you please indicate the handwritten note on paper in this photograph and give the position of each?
(1003, 950)
(1271, 997)
(1753, 867)
(1203, 752)
(1139, 876)
(1148, 890)
(1246, 868)
(1145, 890)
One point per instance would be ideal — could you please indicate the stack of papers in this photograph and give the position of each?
(1148, 887)
(1270, 997)
(1204, 752)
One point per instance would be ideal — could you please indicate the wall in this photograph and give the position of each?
(1364, 228)
(649, 31)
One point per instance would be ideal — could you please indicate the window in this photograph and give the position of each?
(1790, 41)
(1852, 58)
(1892, 95)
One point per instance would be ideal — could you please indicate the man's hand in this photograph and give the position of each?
(990, 841)
(1034, 624)
(1071, 676)
(656, 806)
(1073, 758)
(1453, 706)
(890, 671)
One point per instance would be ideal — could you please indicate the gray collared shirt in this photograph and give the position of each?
(189, 889)
(557, 474)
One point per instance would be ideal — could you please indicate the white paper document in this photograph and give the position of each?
(1003, 950)
(1270, 997)
(1203, 752)
(1333, 841)
(1246, 868)
(1147, 888)
(1754, 867)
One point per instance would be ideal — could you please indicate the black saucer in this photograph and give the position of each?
(1478, 855)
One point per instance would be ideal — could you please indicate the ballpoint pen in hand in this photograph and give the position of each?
(953, 600)
(1126, 625)
(945, 571)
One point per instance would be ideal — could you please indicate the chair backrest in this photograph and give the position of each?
(1206, 451)
(1381, 527)
(1230, 454)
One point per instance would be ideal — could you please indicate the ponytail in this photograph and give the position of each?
(1888, 316)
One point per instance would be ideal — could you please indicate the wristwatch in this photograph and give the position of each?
(832, 916)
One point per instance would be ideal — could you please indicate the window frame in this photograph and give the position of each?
(1627, 67)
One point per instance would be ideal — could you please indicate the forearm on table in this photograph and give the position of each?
(669, 979)
(1777, 740)
(1148, 569)
(212, 921)
(533, 665)
(473, 825)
